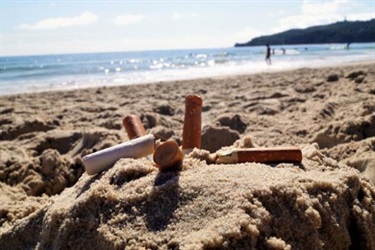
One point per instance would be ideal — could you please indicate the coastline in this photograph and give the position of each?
(329, 112)
(60, 72)
(268, 70)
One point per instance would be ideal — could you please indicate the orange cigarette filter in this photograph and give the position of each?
(134, 126)
(191, 135)
(167, 155)
(261, 155)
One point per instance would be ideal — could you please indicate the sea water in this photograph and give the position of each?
(24, 74)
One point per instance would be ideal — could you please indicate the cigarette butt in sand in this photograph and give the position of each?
(136, 148)
(167, 154)
(133, 126)
(191, 135)
(261, 155)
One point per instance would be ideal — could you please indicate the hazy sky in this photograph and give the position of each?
(61, 26)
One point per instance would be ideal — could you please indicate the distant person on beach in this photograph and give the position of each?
(283, 50)
(268, 54)
(348, 46)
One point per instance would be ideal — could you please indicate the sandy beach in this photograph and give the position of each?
(326, 202)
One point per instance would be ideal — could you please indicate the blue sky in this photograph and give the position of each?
(75, 26)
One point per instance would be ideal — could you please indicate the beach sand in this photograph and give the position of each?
(326, 202)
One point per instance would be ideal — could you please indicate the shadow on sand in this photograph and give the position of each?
(163, 200)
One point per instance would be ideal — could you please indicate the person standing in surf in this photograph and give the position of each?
(268, 54)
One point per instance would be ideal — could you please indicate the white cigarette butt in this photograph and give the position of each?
(136, 148)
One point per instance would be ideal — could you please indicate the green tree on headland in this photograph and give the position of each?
(340, 32)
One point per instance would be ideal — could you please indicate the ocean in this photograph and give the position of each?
(25, 74)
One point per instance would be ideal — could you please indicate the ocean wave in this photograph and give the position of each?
(10, 68)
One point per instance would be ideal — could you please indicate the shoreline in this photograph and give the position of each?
(198, 78)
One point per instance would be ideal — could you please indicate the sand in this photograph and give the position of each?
(326, 202)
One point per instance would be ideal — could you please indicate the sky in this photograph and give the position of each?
(35, 27)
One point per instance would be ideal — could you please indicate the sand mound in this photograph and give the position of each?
(343, 132)
(16, 205)
(214, 138)
(133, 206)
(51, 161)
(23, 127)
(359, 155)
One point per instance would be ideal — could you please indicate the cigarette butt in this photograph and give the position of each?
(136, 148)
(167, 155)
(133, 126)
(261, 155)
(191, 135)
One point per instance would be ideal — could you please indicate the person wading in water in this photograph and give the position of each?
(268, 54)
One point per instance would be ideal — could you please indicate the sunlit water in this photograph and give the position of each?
(23, 74)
